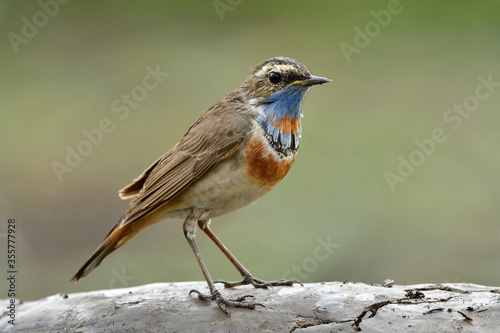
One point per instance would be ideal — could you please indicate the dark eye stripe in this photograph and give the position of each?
(291, 77)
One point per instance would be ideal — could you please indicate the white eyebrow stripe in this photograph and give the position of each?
(262, 72)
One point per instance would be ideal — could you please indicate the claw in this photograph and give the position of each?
(223, 303)
(257, 283)
(201, 296)
(243, 298)
(229, 284)
(286, 283)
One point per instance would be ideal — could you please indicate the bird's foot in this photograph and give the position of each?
(257, 283)
(224, 303)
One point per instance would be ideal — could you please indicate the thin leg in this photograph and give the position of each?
(189, 228)
(247, 277)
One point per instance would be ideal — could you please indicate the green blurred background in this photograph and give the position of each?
(440, 225)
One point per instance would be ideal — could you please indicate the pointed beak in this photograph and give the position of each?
(312, 80)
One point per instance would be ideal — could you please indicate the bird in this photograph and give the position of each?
(236, 152)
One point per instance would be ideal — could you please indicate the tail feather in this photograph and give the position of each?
(102, 251)
(116, 238)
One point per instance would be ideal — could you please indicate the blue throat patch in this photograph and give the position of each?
(283, 103)
(280, 104)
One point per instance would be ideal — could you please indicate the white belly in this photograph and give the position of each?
(222, 190)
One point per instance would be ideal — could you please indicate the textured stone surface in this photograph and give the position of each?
(318, 307)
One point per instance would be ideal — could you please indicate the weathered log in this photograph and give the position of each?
(315, 307)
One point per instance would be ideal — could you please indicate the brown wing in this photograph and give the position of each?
(131, 190)
(214, 137)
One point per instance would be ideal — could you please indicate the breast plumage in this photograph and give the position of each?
(272, 149)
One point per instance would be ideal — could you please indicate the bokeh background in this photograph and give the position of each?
(440, 225)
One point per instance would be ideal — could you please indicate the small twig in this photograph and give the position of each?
(433, 311)
(466, 317)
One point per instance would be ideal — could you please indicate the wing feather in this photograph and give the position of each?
(213, 138)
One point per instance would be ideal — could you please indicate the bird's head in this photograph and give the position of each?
(279, 85)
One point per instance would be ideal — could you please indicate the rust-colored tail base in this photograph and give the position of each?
(116, 238)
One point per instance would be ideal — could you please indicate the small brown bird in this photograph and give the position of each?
(231, 156)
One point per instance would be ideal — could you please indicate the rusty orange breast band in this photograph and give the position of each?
(263, 164)
(287, 124)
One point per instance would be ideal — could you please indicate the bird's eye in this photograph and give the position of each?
(274, 77)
